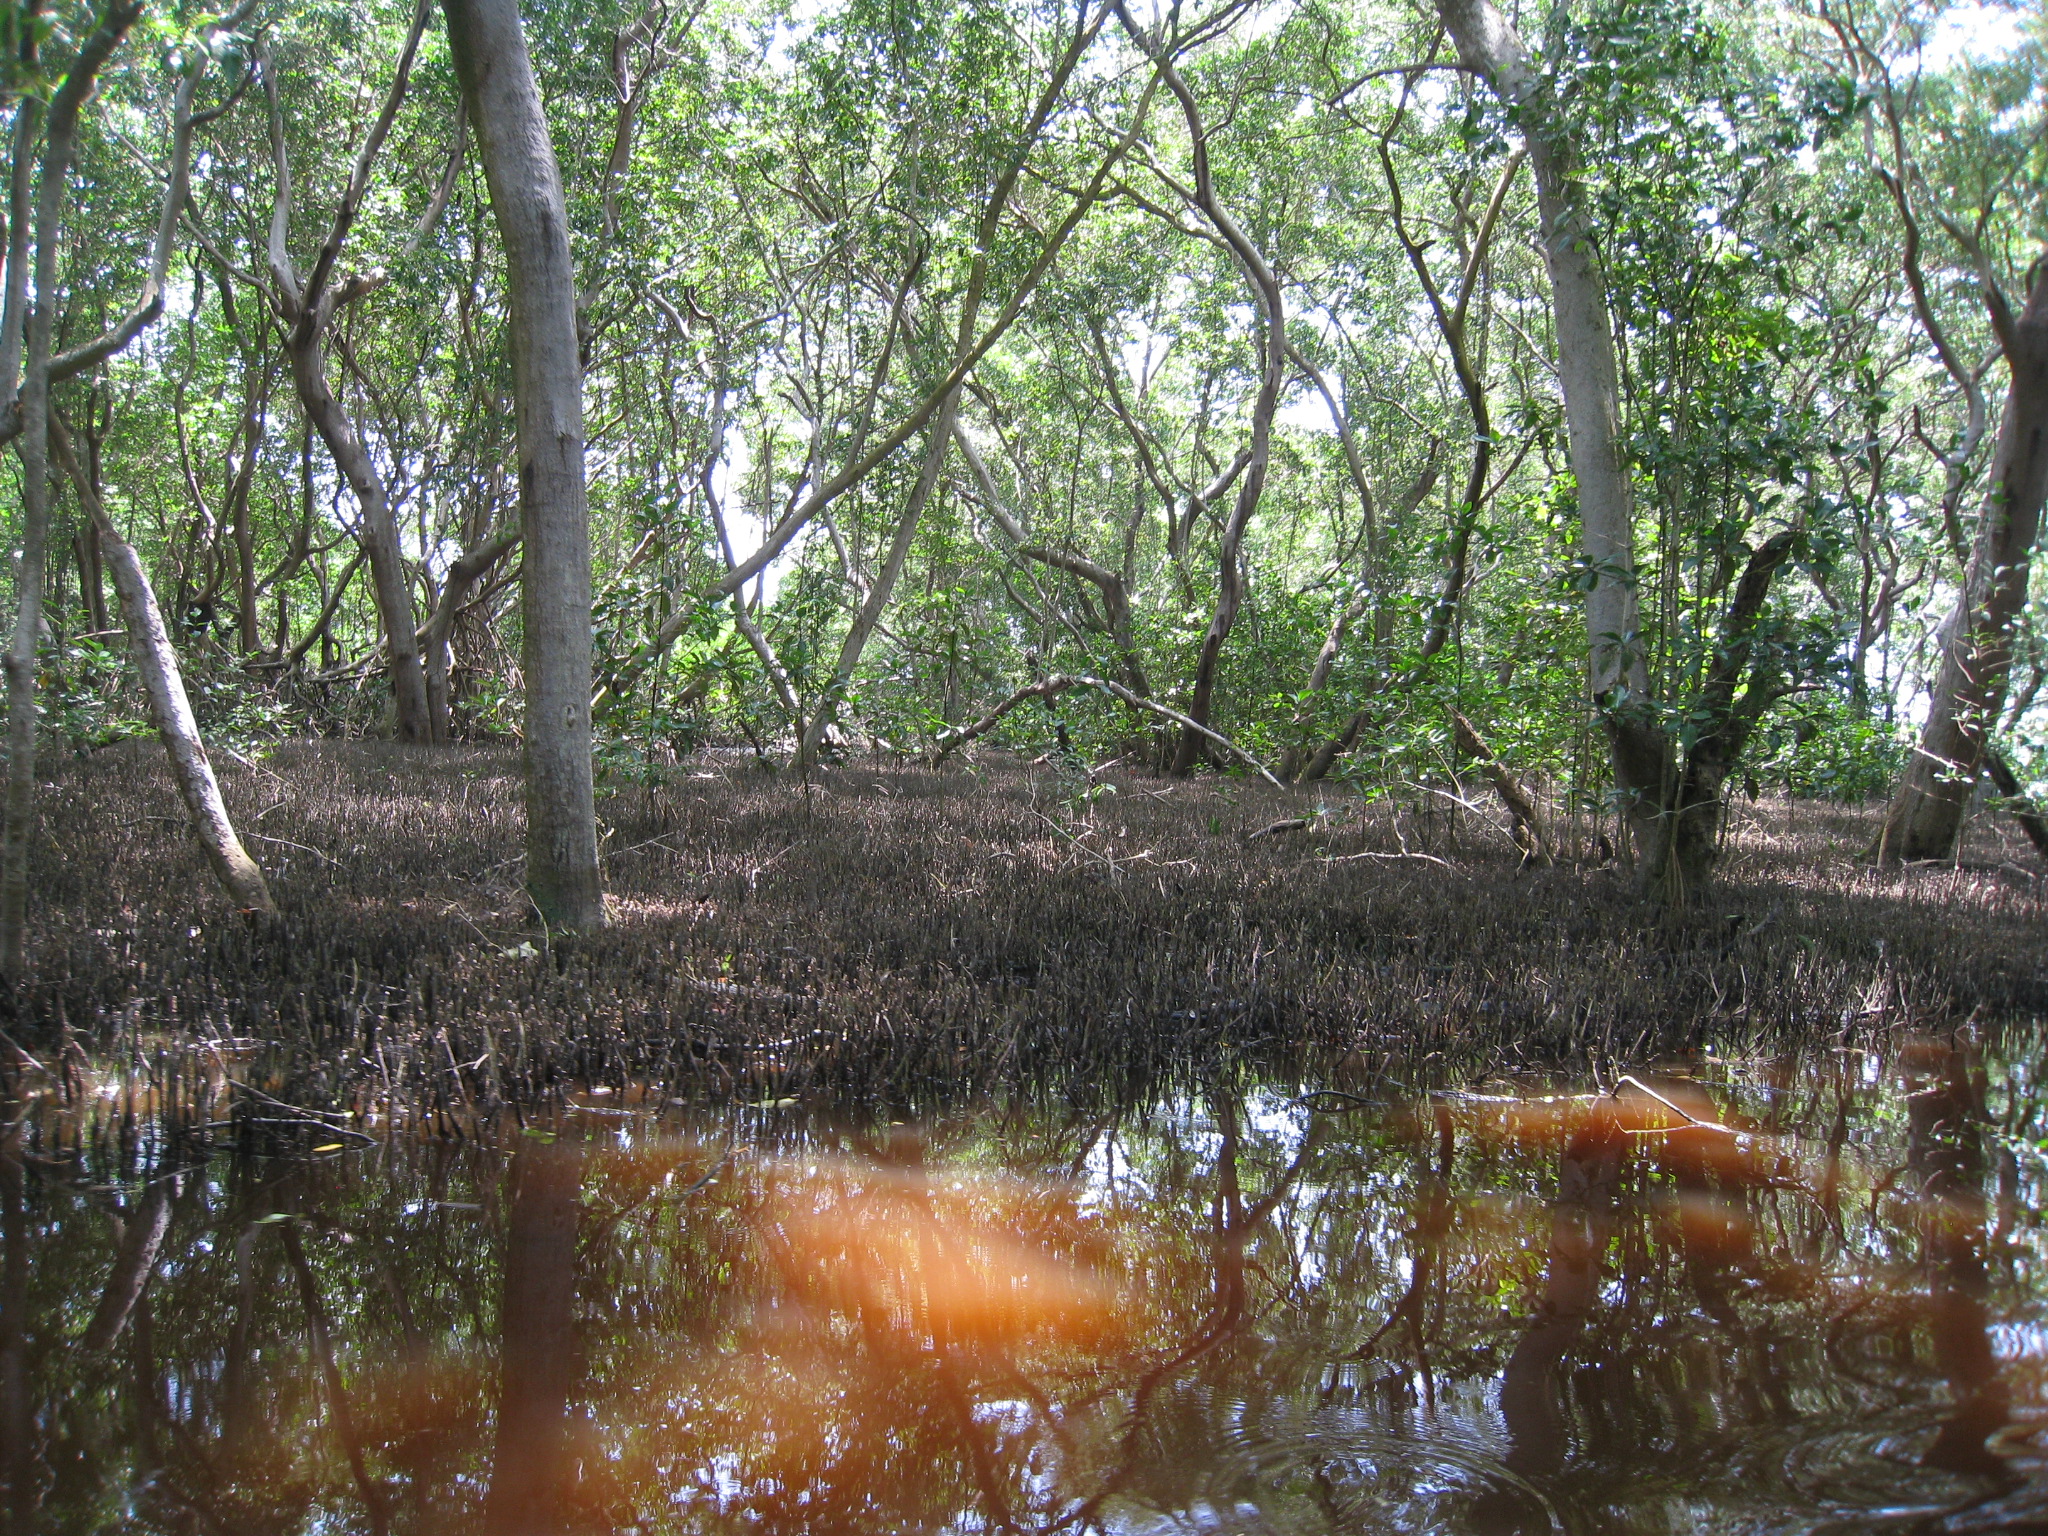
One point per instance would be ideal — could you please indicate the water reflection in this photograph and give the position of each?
(1779, 1296)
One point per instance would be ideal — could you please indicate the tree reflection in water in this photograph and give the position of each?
(1785, 1296)
(1945, 1109)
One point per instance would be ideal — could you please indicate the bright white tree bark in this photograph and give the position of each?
(170, 708)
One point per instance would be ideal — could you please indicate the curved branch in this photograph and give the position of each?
(1062, 682)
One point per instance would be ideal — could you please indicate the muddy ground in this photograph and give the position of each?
(898, 937)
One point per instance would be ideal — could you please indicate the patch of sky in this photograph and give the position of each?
(1978, 33)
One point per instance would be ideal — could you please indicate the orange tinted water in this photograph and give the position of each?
(1792, 1295)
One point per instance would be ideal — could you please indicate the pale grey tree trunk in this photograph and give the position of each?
(34, 449)
(388, 579)
(946, 406)
(1270, 346)
(526, 196)
(1926, 814)
(742, 616)
(625, 674)
(1116, 599)
(169, 705)
(1314, 766)
(1489, 45)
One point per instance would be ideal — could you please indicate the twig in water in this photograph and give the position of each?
(1691, 1120)
(1347, 1102)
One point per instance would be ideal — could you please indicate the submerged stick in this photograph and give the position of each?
(1692, 1121)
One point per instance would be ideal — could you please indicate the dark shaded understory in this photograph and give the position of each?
(899, 937)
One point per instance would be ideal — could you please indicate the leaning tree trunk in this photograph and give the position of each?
(1116, 598)
(389, 582)
(1488, 44)
(1529, 833)
(870, 615)
(142, 1241)
(526, 196)
(940, 432)
(2030, 820)
(309, 309)
(437, 634)
(169, 705)
(1926, 814)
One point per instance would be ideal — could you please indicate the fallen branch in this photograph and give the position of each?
(285, 842)
(1426, 858)
(1529, 833)
(1052, 687)
(1291, 824)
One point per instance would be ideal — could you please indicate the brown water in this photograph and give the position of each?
(1516, 1310)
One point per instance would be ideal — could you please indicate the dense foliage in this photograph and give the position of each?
(792, 222)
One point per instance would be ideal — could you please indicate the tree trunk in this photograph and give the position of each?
(969, 352)
(1270, 346)
(742, 617)
(134, 1263)
(1488, 44)
(248, 620)
(939, 437)
(388, 579)
(526, 197)
(2031, 821)
(34, 448)
(1530, 835)
(319, 633)
(310, 310)
(169, 705)
(940, 441)
(92, 588)
(241, 479)
(1116, 599)
(439, 629)
(1688, 833)
(1926, 814)
(1319, 763)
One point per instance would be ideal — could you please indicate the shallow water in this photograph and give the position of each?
(1757, 1296)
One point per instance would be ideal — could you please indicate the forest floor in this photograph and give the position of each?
(897, 937)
